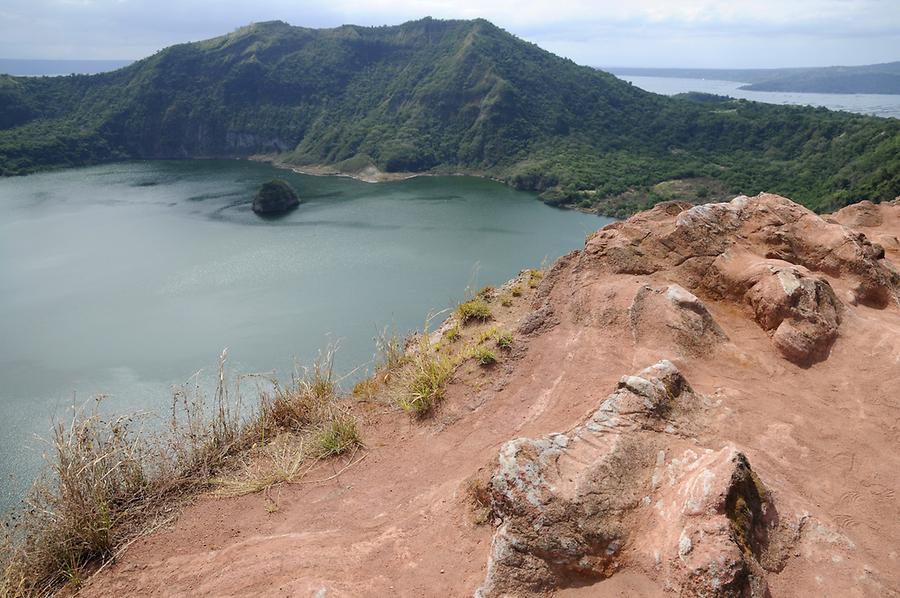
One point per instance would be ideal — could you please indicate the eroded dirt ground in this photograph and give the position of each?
(824, 436)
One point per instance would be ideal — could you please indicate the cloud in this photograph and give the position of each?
(634, 32)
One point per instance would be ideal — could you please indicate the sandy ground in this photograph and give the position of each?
(825, 439)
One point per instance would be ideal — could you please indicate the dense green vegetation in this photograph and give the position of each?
(444, 96)
(870, 78)
(274, 197)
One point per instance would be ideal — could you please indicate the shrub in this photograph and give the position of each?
(516, 291)
(506, 301)
(534, 278)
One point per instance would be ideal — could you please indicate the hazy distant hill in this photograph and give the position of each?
(42, 68)
(443, 96)
(873, 78)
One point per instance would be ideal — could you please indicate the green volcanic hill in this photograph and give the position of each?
(443, 96)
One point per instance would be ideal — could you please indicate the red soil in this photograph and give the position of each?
(825, 439)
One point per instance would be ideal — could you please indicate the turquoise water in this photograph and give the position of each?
(125, 279)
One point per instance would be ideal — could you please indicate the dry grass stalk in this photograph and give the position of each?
(108, 479)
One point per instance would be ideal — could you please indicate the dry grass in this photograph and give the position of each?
(365, 389)
(309, 401)
(479, 495)
(486, 334)
(391, 351)
(296, 426)
(109, 479)
(423, 383)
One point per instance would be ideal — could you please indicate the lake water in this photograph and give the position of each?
(125, 279)
(875, 104)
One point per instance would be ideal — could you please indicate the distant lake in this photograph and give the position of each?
(50, 68)
(874, 104)
(125, 279)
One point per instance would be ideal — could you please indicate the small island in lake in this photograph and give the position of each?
(275, 197)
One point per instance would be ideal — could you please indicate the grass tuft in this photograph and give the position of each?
(505, 340)
(391, 351)
(424, 384)
(338, 436)
(474, 310)
(452, 334)
(484, 356)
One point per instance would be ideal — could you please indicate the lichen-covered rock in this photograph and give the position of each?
(576, 507)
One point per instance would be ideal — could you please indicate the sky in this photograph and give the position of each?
(624, 33)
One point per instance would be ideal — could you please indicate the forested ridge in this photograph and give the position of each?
(444, 96)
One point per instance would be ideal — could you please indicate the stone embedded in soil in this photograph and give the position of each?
(577, 507)
(675, 318)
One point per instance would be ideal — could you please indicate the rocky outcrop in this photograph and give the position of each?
(864, 214)
(274, 198)
(773, 256)
(624, 488)
(880, 221)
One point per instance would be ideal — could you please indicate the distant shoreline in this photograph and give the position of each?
(873, 79)
(370, 174)
(34, 67)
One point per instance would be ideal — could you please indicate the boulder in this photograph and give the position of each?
(578, 506)
(673, 318)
